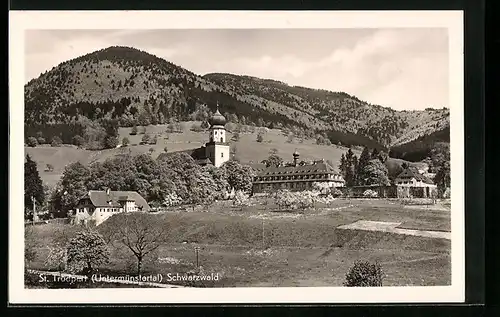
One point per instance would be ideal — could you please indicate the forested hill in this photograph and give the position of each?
(132, 87)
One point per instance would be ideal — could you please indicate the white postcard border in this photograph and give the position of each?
(19, 21)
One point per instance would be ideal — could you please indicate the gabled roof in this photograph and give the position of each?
(320, 167)
(257, 166)
(101, 199)
(195, 153)
(204, 161)
(412, 172)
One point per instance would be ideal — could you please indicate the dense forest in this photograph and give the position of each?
(420, 148)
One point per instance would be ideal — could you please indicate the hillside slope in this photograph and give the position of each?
(135, 87)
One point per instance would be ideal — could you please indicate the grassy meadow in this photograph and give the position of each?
(256, 246)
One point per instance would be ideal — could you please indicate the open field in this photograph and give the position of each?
(258, 247)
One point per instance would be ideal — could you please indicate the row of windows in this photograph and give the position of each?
(293, 177)
(110, 209)
(301, 185)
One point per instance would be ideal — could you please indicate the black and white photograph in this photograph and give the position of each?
(233, 158)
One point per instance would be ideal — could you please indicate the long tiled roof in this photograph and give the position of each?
(101, 199)
(318, 167)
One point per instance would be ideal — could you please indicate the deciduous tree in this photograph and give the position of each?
(141, 233)
(86, 251)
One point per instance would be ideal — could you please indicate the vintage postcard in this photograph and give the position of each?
(236, 157)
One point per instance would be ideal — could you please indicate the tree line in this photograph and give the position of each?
(368, 169)
(89, 134)
(170, 179)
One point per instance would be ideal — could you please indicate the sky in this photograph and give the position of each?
(405, 69)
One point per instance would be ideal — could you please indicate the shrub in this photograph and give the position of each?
(146, 139)
(31, 141)
(447, 193)
(370, 194)
(235, 137)
(172, 199)
(260, 138)
(241, 199)
(336, 192)
(134, 130)
(205, 125)
(125, 141)
(41, 140)
(78, 140)
(196, 127)
(56, 141)
(364, 273)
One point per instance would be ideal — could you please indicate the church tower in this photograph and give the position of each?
(217, 149)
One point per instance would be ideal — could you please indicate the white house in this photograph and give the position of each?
(411, 177)
(97, 206)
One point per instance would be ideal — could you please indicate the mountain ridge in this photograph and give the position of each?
(136, 87)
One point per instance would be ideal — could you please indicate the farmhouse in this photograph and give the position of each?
(411, 182)
(216, 150)
(296, 176)
(96, 206)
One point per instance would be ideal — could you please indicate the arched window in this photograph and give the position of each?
(222, 140)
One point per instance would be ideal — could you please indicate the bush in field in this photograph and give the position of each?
(241, 199)
(134, 130)
(56, 141)
(172, 199)
(321, 187)
(196, 127)
(336, 192)
(32, 142)
(87, 250)
(125, 141)
(370, 194)
(285, 199)
(146, 139)
(295, 200)
(260, 137)
(447, 193)
(364, 273)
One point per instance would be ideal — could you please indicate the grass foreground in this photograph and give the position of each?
(255, 246)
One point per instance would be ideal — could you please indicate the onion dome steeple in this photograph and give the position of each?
(217, 118)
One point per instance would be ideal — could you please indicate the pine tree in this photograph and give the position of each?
(33, 186)
(364, 158)
(343, 165)
(349, 174)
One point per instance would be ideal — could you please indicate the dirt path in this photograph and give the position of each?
(392, 227)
